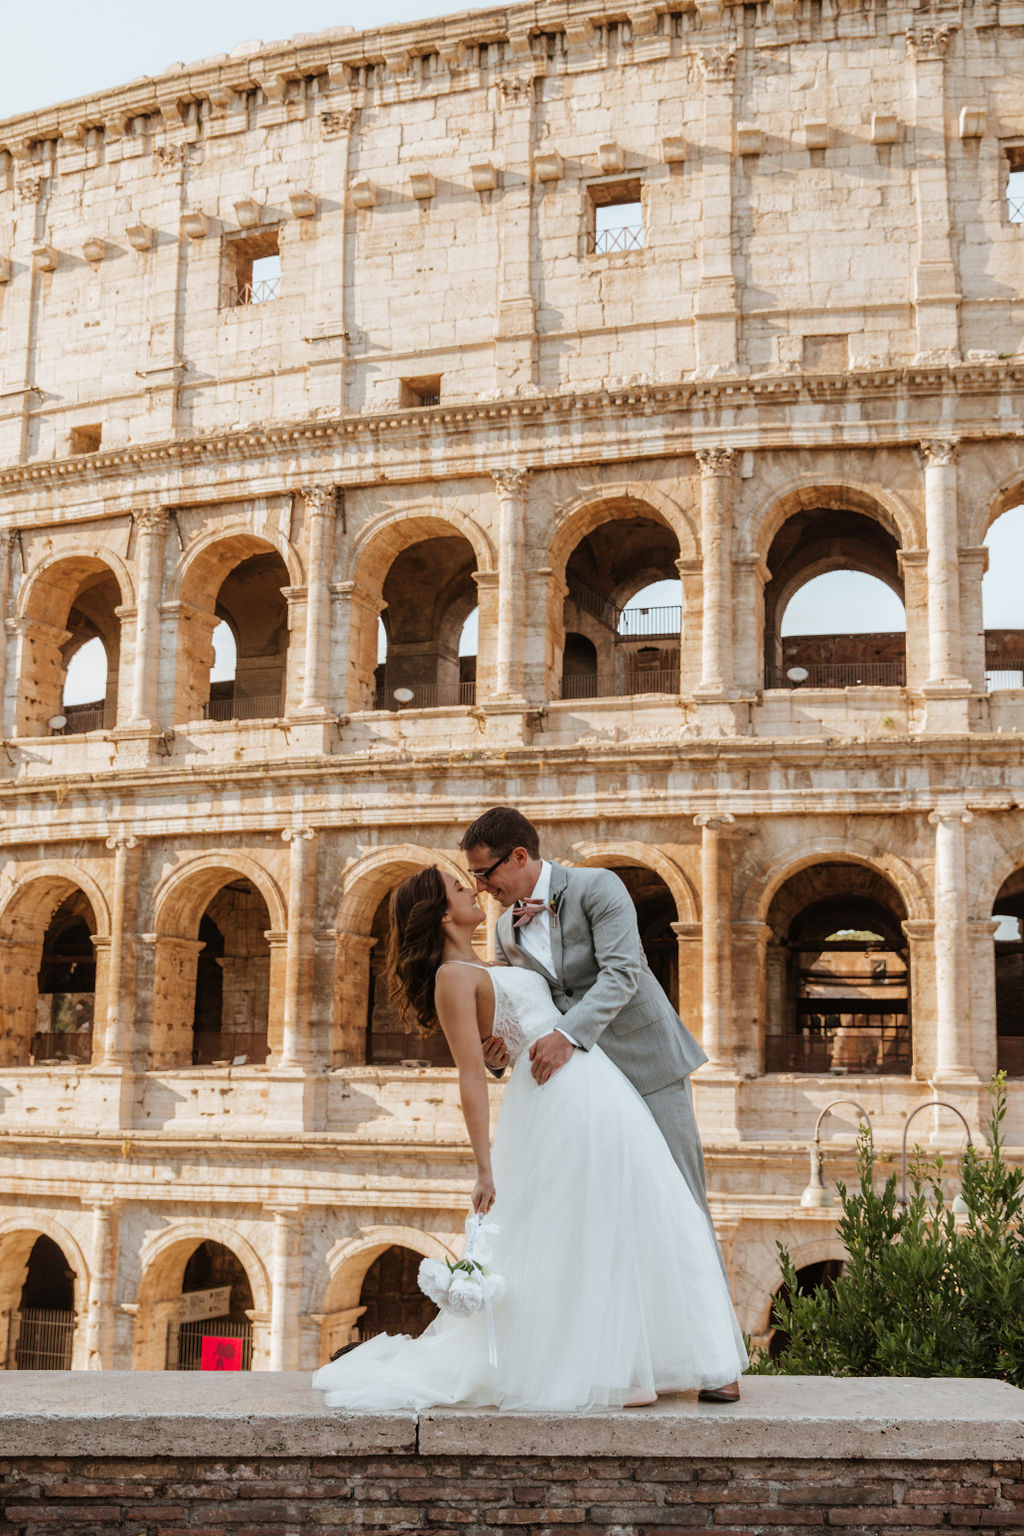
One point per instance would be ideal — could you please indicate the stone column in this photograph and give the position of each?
(515, 344)
(114, 1047)
(99, 1322)
(352, 993)
(981, 972)
(285, 1281)
(716, 935)
(936, 295)
(691, 994)
(716, 545)
(714, 307)
(952, 1020)
(511, 488)
(945, 662)
(6, 546)
(973, 562)
(151, 523)
(298, 971)
(358, 619)
(321, 507)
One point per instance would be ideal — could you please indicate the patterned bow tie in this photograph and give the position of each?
(525, 911)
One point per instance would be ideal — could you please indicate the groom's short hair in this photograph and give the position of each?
(502, 827)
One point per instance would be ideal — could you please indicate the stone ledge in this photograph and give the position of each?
(265, 1414)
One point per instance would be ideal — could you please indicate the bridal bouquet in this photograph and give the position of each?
(463, 1286)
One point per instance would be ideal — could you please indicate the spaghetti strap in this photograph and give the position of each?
(475, 965)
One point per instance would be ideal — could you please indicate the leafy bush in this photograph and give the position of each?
(921, 1293)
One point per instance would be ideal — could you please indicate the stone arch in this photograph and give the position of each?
(36, 895)
(161, 1267)
(609, 854)
(18, 1236)
(235, 574)
(991, 504)
(593, 576)
(760, 891)
(808, 493)
(763, 1275)
(422, 612)
(180, 900)
(348, 1264)
(364, 885)
(813, 529)
(68, 599)
(588, 509)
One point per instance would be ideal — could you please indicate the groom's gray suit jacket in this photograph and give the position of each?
(601, 982)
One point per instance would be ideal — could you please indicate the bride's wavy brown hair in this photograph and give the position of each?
(415, 945)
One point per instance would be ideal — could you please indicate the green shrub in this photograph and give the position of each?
(921, 1293)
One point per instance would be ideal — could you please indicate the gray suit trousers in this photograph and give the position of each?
(672, 1108)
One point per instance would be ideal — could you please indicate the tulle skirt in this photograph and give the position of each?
(614, 1286)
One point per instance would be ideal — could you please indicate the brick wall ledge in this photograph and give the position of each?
(127, 1414)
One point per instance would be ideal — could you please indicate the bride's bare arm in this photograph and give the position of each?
(455, 997)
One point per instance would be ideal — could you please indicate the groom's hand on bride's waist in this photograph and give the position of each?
(548, 1054)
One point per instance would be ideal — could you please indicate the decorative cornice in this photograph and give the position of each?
(699, 396)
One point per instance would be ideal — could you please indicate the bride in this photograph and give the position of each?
(615, 1292)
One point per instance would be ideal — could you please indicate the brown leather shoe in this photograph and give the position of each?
(729, 1394)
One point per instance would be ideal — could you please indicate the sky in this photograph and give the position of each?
(65, 48)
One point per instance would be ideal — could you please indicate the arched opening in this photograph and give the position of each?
(85, 690)
(73, 602)
(41, 1332)
(48, 982)
(834, 603)
(251, 607)
(392, 1300)
(655, 914)
(826, 1272)
(1008, 911)
(232, 981)
(213, 1328)
(1002, 605)
(66, 985)
(622, 613)
(837, 989)
(429, 596)
(389, 1042)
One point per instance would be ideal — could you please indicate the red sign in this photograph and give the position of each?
(220, 1354)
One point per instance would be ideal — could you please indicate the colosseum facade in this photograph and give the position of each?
(314, 350)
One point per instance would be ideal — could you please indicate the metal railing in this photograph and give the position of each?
(879, 1049)
(598, 685)
(426, 696)
(258, 706)
(650, 623)
(61, 1045)
(210, 1046)
(80, 718)
(841, 674)
(40, 1340)
(628, 237)
(258, 292)
(590, 600)
(185, 1342)
(1009, 675)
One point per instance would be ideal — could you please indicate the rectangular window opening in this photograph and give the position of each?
(421, 392)
(86, 439)
(253, 265)
(615, 217)
(1015, 183)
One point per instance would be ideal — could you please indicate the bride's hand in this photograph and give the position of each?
(495, 1053)
(483, 1194)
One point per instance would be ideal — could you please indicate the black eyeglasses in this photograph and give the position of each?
(480, 875)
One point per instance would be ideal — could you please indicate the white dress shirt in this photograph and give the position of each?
(535, 936)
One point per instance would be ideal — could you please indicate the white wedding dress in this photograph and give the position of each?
(614, 1286)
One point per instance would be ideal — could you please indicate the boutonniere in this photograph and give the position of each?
(554, 904)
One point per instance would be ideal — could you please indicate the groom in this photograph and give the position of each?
(578, 928)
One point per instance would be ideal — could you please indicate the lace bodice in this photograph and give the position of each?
(523, 1010)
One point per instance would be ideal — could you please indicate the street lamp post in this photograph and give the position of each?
(816, 1195)
(930, 1104)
